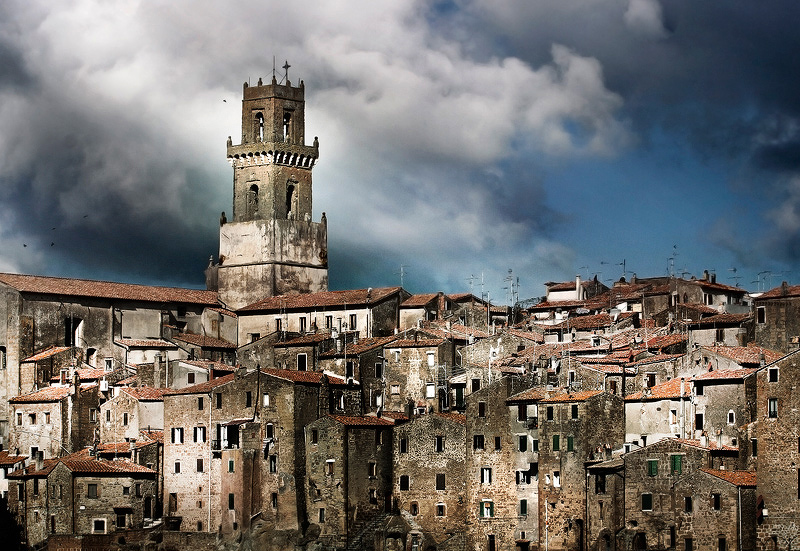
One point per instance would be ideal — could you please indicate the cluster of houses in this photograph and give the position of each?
(269, 412)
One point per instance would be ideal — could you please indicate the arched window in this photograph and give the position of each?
(258, 128)
(252, 201)
(290, 200)
(287, 127)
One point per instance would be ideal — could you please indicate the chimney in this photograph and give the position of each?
(705, 275)
(578, 288)
(39, 460)
(713, 278)
(784, 289)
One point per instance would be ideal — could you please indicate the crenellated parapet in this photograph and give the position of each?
(265, 153)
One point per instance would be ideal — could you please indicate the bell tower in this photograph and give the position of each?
(271, 246)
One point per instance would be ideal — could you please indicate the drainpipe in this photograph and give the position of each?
(739, 528)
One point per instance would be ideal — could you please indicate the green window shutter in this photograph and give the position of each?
(570, 443)
(556, 443)
(491, 508)
(652, 467)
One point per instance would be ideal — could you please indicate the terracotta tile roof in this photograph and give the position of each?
(85, 374)
(146, 393)
(209, 364)
(102, 466)
(721, 319)
(528, 335)
(47, 353)
(145, 343)
(362, 421)
(31, 470)
(700, 308)
(719, 287)
(610, 369)
(363, 345)
(737, 478)
(152, 435)
(133, 379)
(529, 395)
(725, 374)
(745, 354)
(306, 339)
(202, 388)
(48, 394)
(455, 331)
(596, 321)
(562, 286)
(417, 301)
(663, 341)
(668, 390)
(338, 299)
(459, 418)
(225, 312)
(464, 297)
(7, 460)
(657, 358)
(107, 289)
(780, 292)
(395, 415)
(314, 377)
(421, 343)
(204, 341)
(571, 396)
(711, 445)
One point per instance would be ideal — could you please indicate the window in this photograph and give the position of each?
(348, 370)
(395, 389)
(200, 465)
(353, 322)
(698, 421)
(91, 491)
(731, 417)
(231, 465)
(278, 324)
(219, 400)
(574, 411)
(200, 403)
(535, 445)
(549, 413)
(754, 447)
(497, 443)
(486, 475)
(270, 430)
(177, 434)
(716, 501)
(722, 544)
(231, 502)
(265, 400)
(556, 442)
(688, 544)
(481, 409)
(440, 481)
(303, 325)
(403, 445)
(476, 385)
(652, 467)
(761, 314)
(321, 515)
(177, 467)
(487, 509)
(676, 463)
(108, 416)
(647, 502)
(36, 486)
(557, 479)
(31, 418)
(440, 509)
(477, 442)
(570, 443)
(328, 322)
(329, 464)
(314, 436)
(438, 444)
(190, 378)
(19, 418)
(99, 526)
(523, 443)
(522, 412)
(273, 463)
(414, 508)
(523, 507)
(600, 483)
(772, 408)
(378, 437)
(379, 370)
(688, 506)
(199, 434)
(773, 374)
(302, 362)
(404, 482)
(430, 390)
(650, 380)
(248, 399)
(47, 417)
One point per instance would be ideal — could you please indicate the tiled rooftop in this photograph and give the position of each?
(339, 299)
(362, 421)
(668, 390)
(145, 343)
(107, 289)
(47, 353)
(737, 478)
(201, 388)
(204, 341)
(48, 394)
(571, 396)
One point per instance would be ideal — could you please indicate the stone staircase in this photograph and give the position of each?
(364, 533)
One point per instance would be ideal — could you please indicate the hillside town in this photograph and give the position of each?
(268, 412)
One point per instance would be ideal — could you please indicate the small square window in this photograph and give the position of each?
(440, 509)
(647, 502)
(404, 483)
(773, 374)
